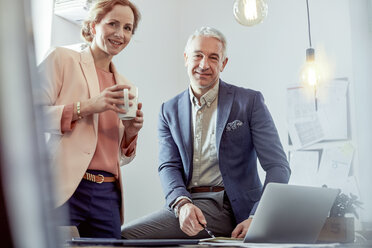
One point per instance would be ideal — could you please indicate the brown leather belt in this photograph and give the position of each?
(98, 178)
(206, 189)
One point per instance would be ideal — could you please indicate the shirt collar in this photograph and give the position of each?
(207, 98)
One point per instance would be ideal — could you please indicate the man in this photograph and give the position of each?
(210, 136)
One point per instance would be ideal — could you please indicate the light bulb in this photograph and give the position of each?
(310, 73)
(250, 12)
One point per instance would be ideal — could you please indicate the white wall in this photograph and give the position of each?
(42, 12)
(266, 57)
(361, 37)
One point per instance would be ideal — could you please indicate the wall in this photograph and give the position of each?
(266, 57)
(42, 12)
(361, 37)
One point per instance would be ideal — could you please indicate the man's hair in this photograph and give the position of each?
(208, 32)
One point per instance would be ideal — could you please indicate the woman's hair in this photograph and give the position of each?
(99, 9)
(208, 32)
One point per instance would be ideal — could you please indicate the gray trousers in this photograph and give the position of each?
(164, 225)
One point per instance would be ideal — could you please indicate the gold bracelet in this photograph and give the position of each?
(78, 110)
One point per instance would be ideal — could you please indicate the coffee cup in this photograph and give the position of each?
(131, 111)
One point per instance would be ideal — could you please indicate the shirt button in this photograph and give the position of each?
(197, 160)
(195, 183)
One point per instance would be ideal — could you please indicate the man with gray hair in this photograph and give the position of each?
(210, 136)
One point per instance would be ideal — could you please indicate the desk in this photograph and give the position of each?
(367, 244)
(71, 232)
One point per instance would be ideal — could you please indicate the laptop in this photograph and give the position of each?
(290, 214)
(131, 242)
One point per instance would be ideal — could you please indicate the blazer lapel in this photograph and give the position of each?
(120, 79)
(90, 74)
(225, 100)
(184, 122)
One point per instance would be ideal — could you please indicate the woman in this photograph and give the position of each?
(89, 142)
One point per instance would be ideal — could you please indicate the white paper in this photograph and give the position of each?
(350, 186)
(260, 245)
(304, 125)
(317, 114)
(305, 132)
(335, 165)
(300, 103)
(332, 109)
(304, 167)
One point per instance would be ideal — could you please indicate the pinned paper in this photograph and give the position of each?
(335, 165)
(304, 167)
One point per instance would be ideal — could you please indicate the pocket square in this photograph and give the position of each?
(231, 126)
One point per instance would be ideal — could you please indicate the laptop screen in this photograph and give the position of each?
(290, 214)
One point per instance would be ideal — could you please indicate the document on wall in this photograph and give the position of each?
(317, 114)
(304, 125)
(335, 165)
(333, 110)
(304, 167)
(350, 186)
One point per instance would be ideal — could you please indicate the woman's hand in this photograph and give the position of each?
(133, 126)
(108, 99)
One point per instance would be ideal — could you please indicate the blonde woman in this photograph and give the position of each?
(89, 143)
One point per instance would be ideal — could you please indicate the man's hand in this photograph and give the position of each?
(191, 218)
(241, 229)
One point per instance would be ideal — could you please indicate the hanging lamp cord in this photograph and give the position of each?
(308, 21)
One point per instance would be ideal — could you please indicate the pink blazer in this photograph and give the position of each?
(69, 75)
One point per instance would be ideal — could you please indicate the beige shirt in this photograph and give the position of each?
(206, 171)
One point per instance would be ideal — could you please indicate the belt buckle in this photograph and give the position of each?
(101, 176)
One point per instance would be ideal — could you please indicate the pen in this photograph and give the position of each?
(207, 230)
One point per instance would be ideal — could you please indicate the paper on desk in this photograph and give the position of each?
(304, 167)
(222, 240)
(332, 109)
(226, 241)
(335, 165)
(304, 125)
(260, 245)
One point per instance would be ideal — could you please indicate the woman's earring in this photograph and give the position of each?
(92, 28)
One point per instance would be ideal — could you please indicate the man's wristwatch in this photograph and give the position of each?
(178, 206)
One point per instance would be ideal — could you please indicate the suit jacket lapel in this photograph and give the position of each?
(225, 100)
(90, 74)
(184, 122)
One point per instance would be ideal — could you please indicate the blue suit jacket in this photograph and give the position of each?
(245, 131)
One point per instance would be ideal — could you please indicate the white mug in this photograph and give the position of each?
(131, 111)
